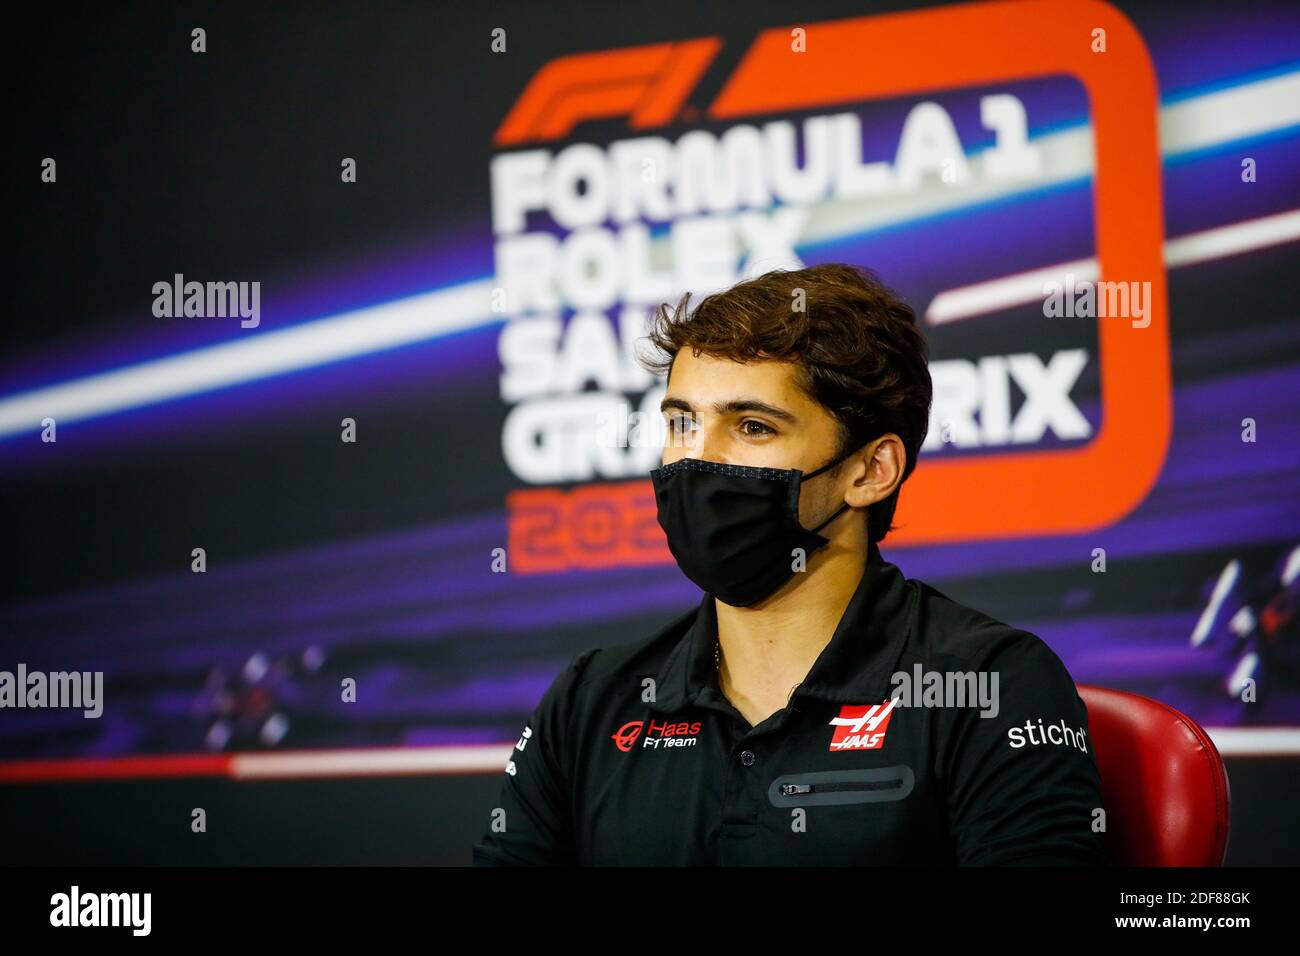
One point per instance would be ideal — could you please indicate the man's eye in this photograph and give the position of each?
(680, 423)
(764, 429)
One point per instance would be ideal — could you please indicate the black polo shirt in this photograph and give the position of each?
(634, 756)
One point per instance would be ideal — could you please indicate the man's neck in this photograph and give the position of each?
(767, 650)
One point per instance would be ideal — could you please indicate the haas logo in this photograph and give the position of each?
(626, 735)
(658, 736)
(861, 727)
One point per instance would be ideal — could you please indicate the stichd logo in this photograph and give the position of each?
(862, 726)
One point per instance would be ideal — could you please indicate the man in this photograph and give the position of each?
(817, 708)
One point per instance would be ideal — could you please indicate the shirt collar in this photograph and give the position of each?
(854, 668)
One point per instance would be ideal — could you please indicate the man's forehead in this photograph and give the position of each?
(707, 378)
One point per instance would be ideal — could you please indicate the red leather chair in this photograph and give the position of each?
(1165, 787)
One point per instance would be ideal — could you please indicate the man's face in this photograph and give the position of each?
(753, 414)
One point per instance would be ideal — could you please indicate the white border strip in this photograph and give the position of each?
(1256, 741)
(1025, 287)
(371, 762)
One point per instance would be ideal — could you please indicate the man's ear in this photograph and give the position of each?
(886, 459)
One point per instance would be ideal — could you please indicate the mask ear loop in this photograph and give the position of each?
(831, 518)
(813, 474)
(830, 464)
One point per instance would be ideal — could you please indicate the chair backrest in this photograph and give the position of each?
(1164, 783)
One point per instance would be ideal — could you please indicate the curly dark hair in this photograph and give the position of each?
(856, 342)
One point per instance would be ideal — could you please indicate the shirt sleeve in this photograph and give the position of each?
(1023, 786)
(532, 821)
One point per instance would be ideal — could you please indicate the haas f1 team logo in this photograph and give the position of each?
(656, 734)
(862, 726)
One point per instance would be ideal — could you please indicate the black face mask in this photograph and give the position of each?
(733, 528)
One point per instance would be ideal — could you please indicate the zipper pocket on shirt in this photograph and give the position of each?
(788, 789)
(829, 787)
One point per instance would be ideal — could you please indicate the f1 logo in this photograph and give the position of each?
(647, 84)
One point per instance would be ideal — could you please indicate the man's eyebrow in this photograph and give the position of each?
(735, 406)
